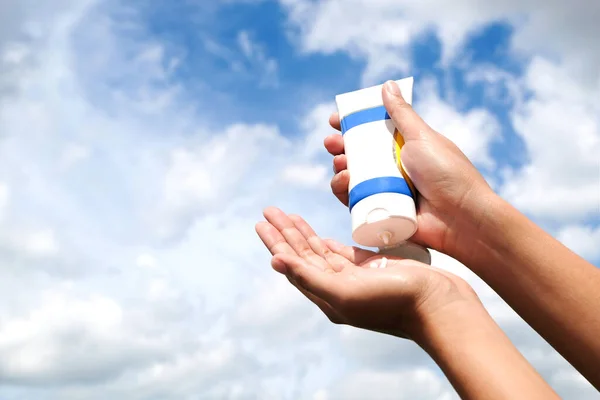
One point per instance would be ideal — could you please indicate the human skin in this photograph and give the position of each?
(408, 299)
(549, 286)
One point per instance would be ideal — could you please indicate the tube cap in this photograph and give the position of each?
(384, 219)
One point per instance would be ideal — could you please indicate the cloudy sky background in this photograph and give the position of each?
(140, 140)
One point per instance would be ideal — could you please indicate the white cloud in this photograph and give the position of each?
(245, 44)
(381, 31)
(247, 58)
(567, 382)
(380, 352)
(41, 243)
(130, 243)
(560, 125)
(70, 339)
(416, 383)
(583, 240)
(4, 199)
(306, 175)
(130, 266)
(145, 260)
(316, 127)
(73, 153)
(256, 55)
(473, 132)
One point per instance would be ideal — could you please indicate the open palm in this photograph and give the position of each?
(347, 283)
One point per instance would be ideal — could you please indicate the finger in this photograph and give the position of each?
(355, 255)
(322, 304)
(273, 239)
(334, 144)
(419, 238)
(322, 284)
(334, 121)
(335, 261)
(292, 236)
(339, 186)
(408, 122)
(340, 163)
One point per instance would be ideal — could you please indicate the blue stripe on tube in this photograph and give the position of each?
(363, 117)
(384, 184)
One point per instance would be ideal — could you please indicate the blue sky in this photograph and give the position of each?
(208, 40)
(139, 142)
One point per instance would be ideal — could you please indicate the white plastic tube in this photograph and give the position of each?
(382, 198)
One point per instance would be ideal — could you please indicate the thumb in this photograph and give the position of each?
(406, 120)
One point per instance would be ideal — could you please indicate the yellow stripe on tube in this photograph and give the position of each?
(398, 143)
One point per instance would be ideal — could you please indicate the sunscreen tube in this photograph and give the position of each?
(408, 251)
(381, 196)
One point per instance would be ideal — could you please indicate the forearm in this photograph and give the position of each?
(477, 357)
(550, 287)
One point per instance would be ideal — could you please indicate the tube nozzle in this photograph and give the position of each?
(386, 237)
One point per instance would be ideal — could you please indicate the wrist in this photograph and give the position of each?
(453, 320)
(479, 232)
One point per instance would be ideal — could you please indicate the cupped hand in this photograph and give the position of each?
(453, 195)
(349, 285)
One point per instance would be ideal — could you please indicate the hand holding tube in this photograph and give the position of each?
(452, 193)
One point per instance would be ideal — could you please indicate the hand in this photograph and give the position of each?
(436, 309)
(452, 193)
(341, 281)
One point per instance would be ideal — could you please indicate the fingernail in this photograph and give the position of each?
(392, 88)
(373, 265)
